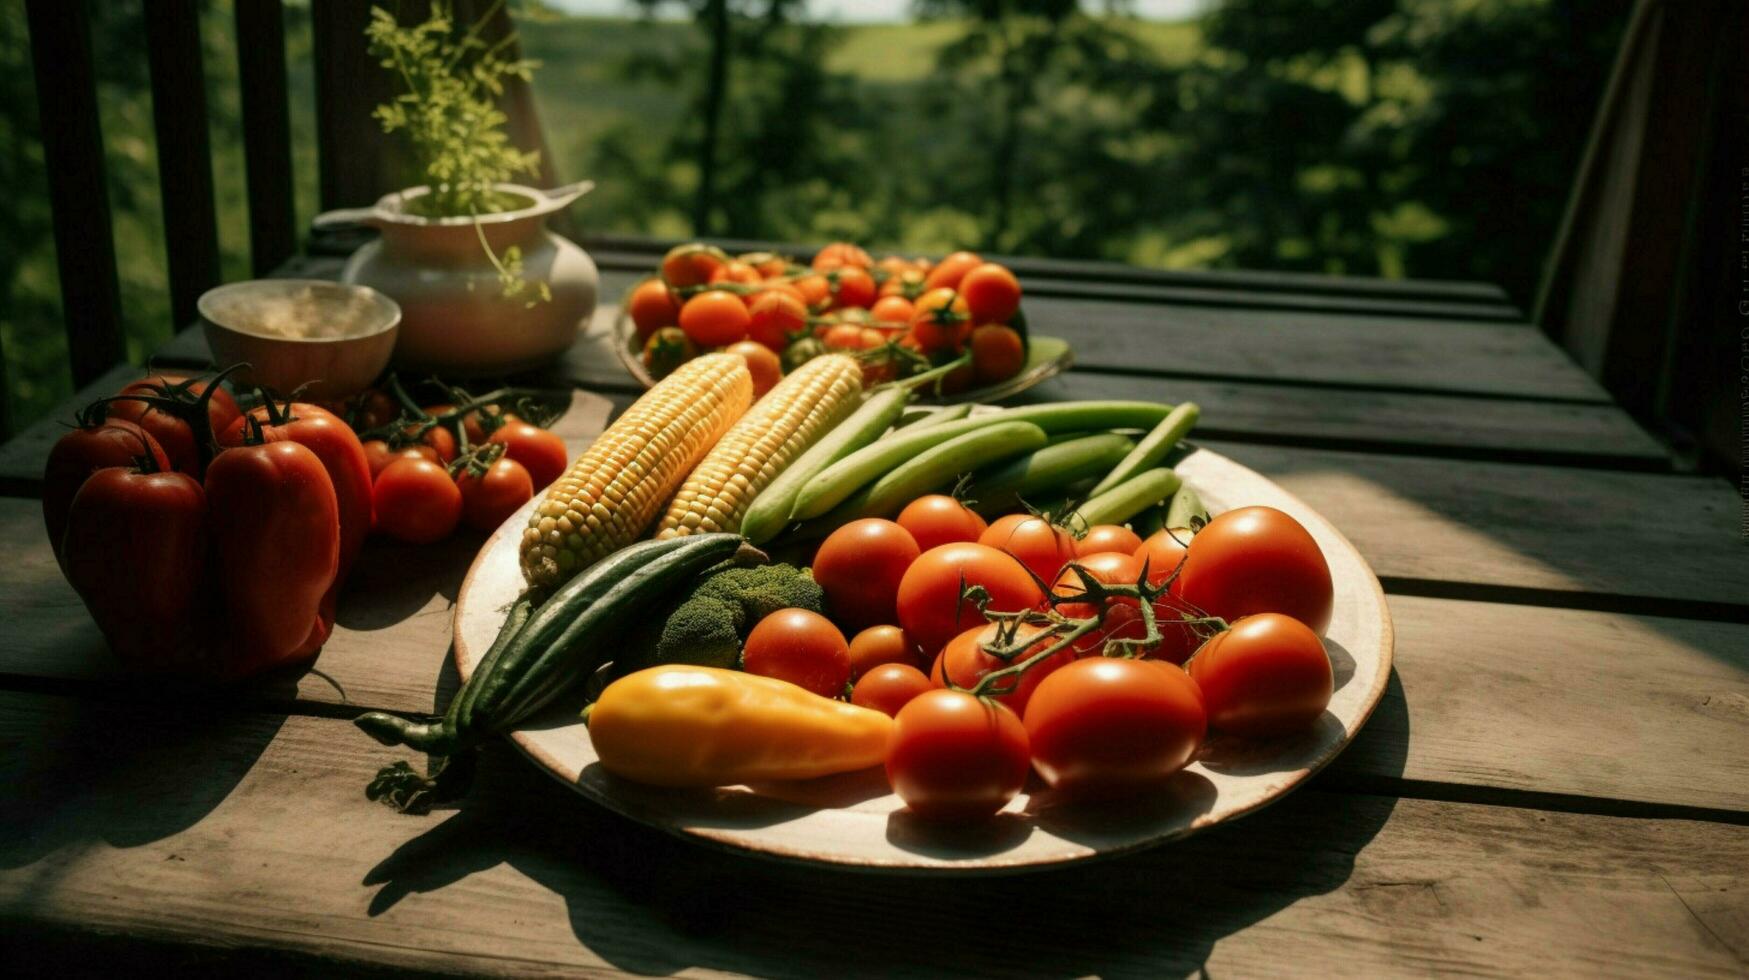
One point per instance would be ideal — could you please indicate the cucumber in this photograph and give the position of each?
(1062, 462)
(770, 511)
(1185, 506)
(1153, 447)
(587, 641)
(940, 465)
(462, 710)
(1125, 500)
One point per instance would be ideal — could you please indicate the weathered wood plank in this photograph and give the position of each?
(243, 831)
(1530, 527)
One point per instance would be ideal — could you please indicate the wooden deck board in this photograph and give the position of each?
(229, 830)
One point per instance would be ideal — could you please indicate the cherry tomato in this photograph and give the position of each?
(762, 363)
(776, 316)
(892, 309)
(371, 409)
(992, 292)
(1163, 552)
(965, 662)
(1256, 560)
(951, 270)
(470, 422)
(849, 336)
(691, 264)
(1040, 545)
(839, 255)
(930, 606)
(1123, 617)
(958, 380)
(439, 438)
(1108, 537)
(854, 287)
(489, 500)
(889, 687)
(955, 757)
(816, 291)
(767, 264)
(378, 454)
(667, 349)
(416, 501)
(540, 452)
(734, 271)
(879, 645)
(997, 353)
(715, 318)
(937, 519)
(1108, 726)
(860, 566)
(1267, 675)
(906, 285)
(651, 306)
(941, 321)
(802, 647)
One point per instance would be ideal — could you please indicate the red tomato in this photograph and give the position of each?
(1108, 537)
(776, 316)
(1256, 560)
(816, 291)
(997, 353)
(941, 321)
(171, 426)
(274, 524)
(840, 255)
(879, 645)
(1108, 726)
(951, 270)
(859, 566)
(854, 287)
(715, 318)
(416, 501)
(955, 757)
(651, 306)
(1123, 618)
(440, 439)
(540, 452)
(691, 264)
(767, 264)
(1163, 552)
(889, 687)
(136, 552)
(802, 647)
(489, 500)
(892, 309)
(736, 272)
(930, 605)
(1267, 675)
(762, 363)
(1040, 545)
(907, 284)
(964, 662)
(937, 519)
(378, 454)
(849, 336)
(82, 452)
(992, 292)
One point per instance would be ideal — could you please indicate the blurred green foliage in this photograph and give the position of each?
(1426, 138)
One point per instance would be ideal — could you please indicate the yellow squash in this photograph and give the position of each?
(701, 726)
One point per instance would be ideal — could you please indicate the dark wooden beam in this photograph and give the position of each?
(267, 156)
(185, 159)
(66, 95)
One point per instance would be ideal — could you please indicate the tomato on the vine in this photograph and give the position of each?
(1040, 545)
(416, 501)
(930, 605)
(840, 255)
(951, 270)
(964, 662)
(541, 452)
(955, 757)
(489, 499)
(936, 519)
(849, 336)
(802, 647)
(1123, 617)
(892, 309)
(1108, 537)
(651, 306)
(1109, 725)
(879, 645)
(1267, 675)
(439, 438)
(714, 318)
(762, 364)
(737, 272)
(854, 288)
(860, 567)
(691, 264)
(992, 292)
(1257, 560)
(889, 687)
(997, 353)
(1163, 552)
(941, 321)
(775, 316)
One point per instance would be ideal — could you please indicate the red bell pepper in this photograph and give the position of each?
(274, 522)
(135, 551)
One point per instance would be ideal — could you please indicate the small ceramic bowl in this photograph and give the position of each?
(332, 337)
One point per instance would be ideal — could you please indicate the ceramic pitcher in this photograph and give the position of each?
(455, 318)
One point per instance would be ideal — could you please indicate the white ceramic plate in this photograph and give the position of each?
(854, 821)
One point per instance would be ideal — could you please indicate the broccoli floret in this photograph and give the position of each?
(708, 627)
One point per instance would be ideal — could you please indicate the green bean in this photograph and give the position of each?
(1062, 462)
(923, 418)
(1185, 506)
(1153, 447)
(771, 510)
(1125, 500)
(940, 465)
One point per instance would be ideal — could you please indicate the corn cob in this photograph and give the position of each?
(804, 406)
(619, 484)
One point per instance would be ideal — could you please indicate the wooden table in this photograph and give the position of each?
(1557, 780)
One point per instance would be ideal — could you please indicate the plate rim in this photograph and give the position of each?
(995, 865)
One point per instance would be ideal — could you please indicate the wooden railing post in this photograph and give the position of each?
(267, 156)
(66, 95)
(185, 159)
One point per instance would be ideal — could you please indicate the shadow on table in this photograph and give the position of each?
(650, 903)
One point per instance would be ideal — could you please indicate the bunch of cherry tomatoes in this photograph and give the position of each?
(900, 317)
(468, 460)
(1102, 661)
